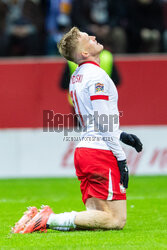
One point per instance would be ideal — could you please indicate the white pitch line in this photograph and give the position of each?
(145, 197)
(23, 200)
(12, 201)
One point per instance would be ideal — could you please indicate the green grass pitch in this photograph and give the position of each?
(146, 226)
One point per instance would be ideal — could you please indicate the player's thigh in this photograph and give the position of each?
(117, 208)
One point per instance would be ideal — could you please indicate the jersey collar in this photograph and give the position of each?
(89, 62)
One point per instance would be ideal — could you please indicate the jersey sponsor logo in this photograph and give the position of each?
(99, 87)
(77, 78)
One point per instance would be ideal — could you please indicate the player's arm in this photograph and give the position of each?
(112, 141)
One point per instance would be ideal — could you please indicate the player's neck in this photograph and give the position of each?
(95, 59)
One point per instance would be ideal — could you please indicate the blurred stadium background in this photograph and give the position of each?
(34, 78)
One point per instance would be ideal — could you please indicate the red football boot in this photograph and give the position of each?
(38, 223)
(28, 215)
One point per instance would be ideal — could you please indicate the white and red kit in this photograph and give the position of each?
(95, 98)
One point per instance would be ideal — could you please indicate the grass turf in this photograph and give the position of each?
(146, 226)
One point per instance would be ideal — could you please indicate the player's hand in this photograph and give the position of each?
(131, 140)
(124, 173)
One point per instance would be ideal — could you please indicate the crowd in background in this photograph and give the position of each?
(33, 27)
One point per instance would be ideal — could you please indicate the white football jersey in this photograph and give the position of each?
(95, 98)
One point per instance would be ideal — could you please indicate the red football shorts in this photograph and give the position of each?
(99, 174)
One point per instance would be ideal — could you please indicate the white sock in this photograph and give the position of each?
(62, 222)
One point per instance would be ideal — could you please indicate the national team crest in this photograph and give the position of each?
(99, 87)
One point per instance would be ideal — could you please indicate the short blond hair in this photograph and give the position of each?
(67, 45)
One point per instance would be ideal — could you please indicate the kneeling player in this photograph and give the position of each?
(100, 161)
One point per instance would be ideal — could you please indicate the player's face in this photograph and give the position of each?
(89, 44)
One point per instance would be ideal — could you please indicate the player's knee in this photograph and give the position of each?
(115, 223)
(121, 223)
